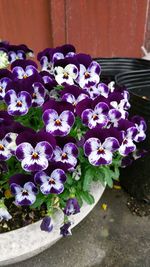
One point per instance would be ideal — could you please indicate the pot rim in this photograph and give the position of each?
(28, 241)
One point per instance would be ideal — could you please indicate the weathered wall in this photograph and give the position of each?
(99, 27)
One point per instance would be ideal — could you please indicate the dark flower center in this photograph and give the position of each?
(19, 104)
(87, 75)
(25, 193)
(101, 150)
(58, 122)
(1, 147)
(1, 89)
(95, 117)
(125, 141)
(51, 181)
(66, 75)
(34, 96)
(64, 156)
(35, 155)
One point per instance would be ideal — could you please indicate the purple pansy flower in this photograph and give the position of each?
(72, 207)
(20, 73)
(58, 124)
(34, 158)
(7, 146)
(114, 116)
(52, 183)
(73, 94)
(23, 188)
(128, 136)
(66, 75)
(66, 155)
(141, 127)
(38, 93)
(18, 104)
(89, 73)
(120, 107)
(3, 84)
(26, 195)
(46, 224)
(64, 230)
(12, 55)
(100, 153)
(96, 117)
(97, 90)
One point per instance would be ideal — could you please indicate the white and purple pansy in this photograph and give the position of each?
(23, 188)
(70, 98)
(26, 195)
(121, 106)
(7, 146)
(38, 94)
(3, 84)
(100, 153)
(72, 207)
(66, 75)
(114, 115)
(141, 127)
(128, 135)
(18, 104)
(97, 90)
(89, 73)
(58, 124)
(12, 55)
(67, 155)
(34, 158)
(21, 73)
(96, 117)
(51, 183)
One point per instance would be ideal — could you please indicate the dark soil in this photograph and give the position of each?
(21, 216)
(138, 207)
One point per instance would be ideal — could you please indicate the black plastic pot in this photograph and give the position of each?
(113, 66)
(136, 178)
(138, 84)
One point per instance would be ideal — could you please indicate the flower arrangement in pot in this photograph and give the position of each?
(61, 128)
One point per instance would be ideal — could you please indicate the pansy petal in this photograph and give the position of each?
(71, 148)
(15, 188)
(10, 97)
(40, 177)
(24, 150)
(72, 70)
(94, 68)
(68, 117)
(92, 144)
(29, 186)
(30, 70)
(18, 72)
(111, 144)
(44, 149)
(127, 147)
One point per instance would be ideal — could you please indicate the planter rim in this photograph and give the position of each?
(135, 80)
(28, 241)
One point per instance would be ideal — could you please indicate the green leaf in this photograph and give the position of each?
(88, 177)
(79, 198)
(87, 197)
(69, 179)
(108, 177)
(40, 199)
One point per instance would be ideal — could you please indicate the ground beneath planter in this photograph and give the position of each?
(114, 237)
(21, 216)
(139, 208)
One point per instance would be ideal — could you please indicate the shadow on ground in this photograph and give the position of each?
(111, 238)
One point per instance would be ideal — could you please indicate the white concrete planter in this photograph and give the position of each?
(28, 241)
